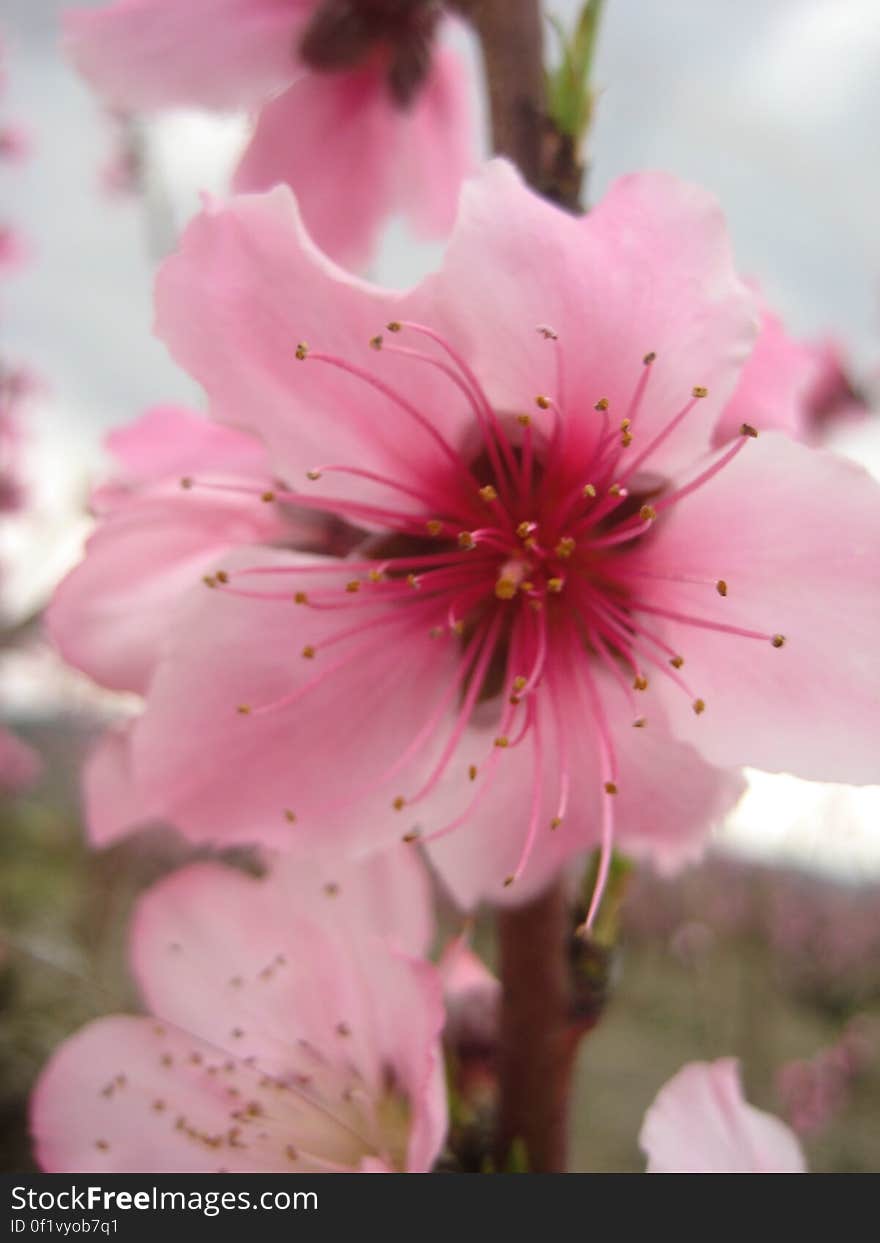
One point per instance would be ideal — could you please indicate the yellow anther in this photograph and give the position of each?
(721, 587)
(457, 627)
(289, 816)
(555, 585)
(267, 497)
(778, 640)
(649, 358)
(186, 483)
(520, 683)
(626, 439)
(300, 597)
(601, 404)
(640, 682)
(376, 342)
(699, 391)
(527, 585)
(308, 652)
(699, 706)
(398, 803)
(394, 326)
(523, 420)
(313, 474)
(505, 588)
(525, 529)
(209, 581)
(747, 430)
(615, 490)
(488, 493)
(222, 576)
(302, 350)
(647, 513)
(589, 490)
(433, 526)
(555, 822)
(412, 581)
(466, 540)
(610, 787)
(472, 772)
(543, 403)
(243, 709)
(412, 836)
(639, 722)
(676, 661)
(375, 576)
(502, 741)
(565, 547)
(508, 881)
(352, 586)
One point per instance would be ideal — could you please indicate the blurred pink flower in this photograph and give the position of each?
(294, 1027)
(359, 110)
(700, 1123)
(19, 764)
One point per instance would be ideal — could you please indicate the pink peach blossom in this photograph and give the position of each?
(546, 539)
(700, 1123)
(358, 110)
(293, 1027)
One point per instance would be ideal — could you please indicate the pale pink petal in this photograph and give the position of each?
(795, 534)
(19, 764)
(700, 1123)
(649, 269)
(335, 139)
(775, 385)
(437, 147)
(110, 615)
(319, 757)
(84, 1119)
(163, 53)
(168, 442)
(245, 287)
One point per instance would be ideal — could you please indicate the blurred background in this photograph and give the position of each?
(769, 950)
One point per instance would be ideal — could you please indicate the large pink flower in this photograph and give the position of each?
(294, 1027)
(700, 1123)
(551, 554)
(359, 112)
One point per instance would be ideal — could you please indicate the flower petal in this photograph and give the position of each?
(314, 763)
(701, 1124)
(161, 53)
(326, 130)
(795, 534)
(246, 286)
(648, 270)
